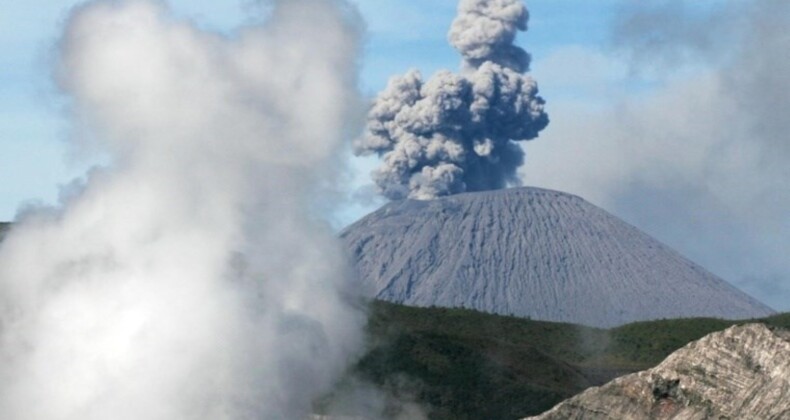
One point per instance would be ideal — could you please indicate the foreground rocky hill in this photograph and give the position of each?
(533, 253)
(740, 373)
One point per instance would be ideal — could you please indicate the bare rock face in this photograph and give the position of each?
(740, 373)
(535, 253)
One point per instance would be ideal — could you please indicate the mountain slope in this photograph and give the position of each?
(739, 373)
(533, 253)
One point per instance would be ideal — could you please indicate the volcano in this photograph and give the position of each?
(534, 253)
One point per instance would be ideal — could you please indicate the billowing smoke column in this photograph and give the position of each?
(188, 279)
(456, 132)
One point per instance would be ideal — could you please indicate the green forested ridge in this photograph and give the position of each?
(463, 364)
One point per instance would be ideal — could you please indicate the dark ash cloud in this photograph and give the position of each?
(455, 132)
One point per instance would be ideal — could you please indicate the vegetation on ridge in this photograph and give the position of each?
(463, 364)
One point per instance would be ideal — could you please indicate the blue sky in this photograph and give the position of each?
(650, 113)
(402, 34)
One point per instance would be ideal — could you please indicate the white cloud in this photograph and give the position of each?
(189, 279)
(700, 159)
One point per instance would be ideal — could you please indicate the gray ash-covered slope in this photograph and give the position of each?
(533, 253)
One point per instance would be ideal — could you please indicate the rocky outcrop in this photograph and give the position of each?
(740, 373)
(534, 253)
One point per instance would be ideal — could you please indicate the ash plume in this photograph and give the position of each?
(188, 279)
(485, 30)
(456, 132)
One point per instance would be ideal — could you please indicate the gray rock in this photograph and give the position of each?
(740, 373)
(533, 253)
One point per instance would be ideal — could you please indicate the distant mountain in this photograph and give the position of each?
(533, 253)
(740, 373)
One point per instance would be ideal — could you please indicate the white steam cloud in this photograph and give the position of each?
(189, 280)
(455, 132)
